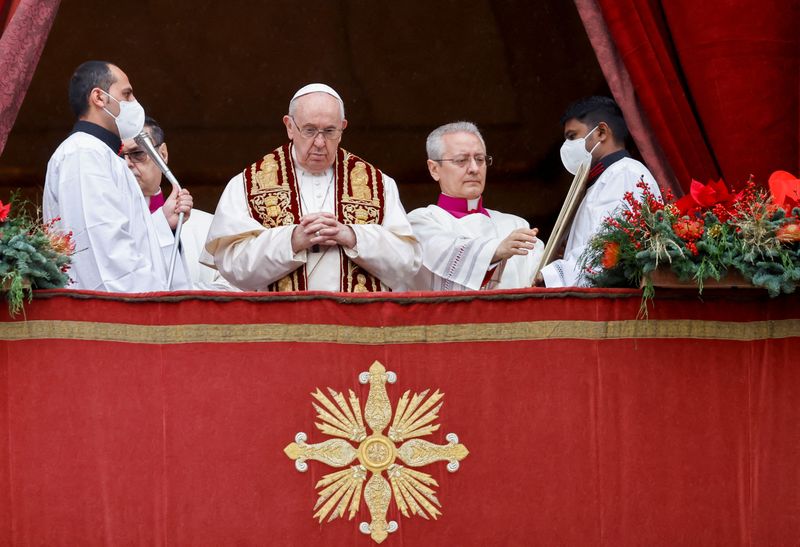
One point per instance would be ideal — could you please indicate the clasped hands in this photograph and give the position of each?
(321, 229)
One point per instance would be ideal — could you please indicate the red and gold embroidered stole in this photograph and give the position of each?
(273, 198)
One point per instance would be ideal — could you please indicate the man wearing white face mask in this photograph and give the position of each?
(89, 189)
(595, 134)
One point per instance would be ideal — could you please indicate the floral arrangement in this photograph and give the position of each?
(707, 234)
(33, 254)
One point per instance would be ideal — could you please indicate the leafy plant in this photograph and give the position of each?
(705, 235)
(33, 255)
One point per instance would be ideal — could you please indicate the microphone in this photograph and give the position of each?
(144, 141)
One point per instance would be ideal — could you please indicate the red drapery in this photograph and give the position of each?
(719, 82)
(7, 8)
(622, 88)
(162, 421)
(21, 45)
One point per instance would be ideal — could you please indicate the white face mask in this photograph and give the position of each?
(130, 121)
(574, 153)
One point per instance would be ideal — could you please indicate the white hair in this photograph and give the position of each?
(434, 145)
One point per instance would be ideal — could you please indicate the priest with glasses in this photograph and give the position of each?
(310, 215)
(466, 246)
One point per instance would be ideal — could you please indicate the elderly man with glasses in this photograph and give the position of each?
(464, 245)
(311, 216)
(195, 228)
(147, 173)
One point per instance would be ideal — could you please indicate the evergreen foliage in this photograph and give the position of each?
(33, 255)
(750, 233)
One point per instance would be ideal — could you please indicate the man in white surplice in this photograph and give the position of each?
(464, 245)
(595, 132)
(120, 245)
(311, 216)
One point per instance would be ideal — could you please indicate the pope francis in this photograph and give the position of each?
(310, 215)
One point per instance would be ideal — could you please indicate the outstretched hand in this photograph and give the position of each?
(518, 242)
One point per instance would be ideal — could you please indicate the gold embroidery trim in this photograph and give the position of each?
(378, 452)
(361, 194)
(410, 334)
(270, 194)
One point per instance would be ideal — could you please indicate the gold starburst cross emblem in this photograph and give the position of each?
(377, 453)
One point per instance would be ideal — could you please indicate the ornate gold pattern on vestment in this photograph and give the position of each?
(341, 491)
(267, 176)
(359, 183)
(360, 202)
(273, 199)
(269, 188)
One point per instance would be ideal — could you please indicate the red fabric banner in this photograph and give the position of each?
(162, 419)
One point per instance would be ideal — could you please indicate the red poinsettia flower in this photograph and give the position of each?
(705, 196)
(610, 255)
(4, 210)
(785, 190)
(788, 233)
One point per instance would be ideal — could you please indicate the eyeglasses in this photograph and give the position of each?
(137, 156)
(311, 132)
(462, 161)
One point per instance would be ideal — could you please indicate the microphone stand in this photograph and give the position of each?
(144, 140)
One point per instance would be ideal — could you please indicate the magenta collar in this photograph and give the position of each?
(156, 201)
(460, 207)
